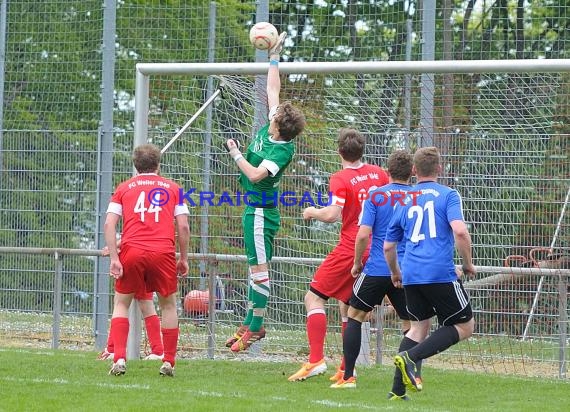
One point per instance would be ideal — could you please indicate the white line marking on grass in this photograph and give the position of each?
(34, 380)
(123, 386)
(41, 352)
(60, 381)
(333, 404)
(214, 394)
(31, 352)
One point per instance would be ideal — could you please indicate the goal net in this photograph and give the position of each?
(502, 128)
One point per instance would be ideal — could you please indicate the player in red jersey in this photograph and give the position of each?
(149, 205)
(151, 321)
(349, 188)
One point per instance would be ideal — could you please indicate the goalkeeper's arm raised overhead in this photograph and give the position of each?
(273, 79)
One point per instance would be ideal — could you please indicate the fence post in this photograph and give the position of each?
(57, 301)
(135, 331)
(562, 323)
(379, 312)
(212, 271)
(364, 354)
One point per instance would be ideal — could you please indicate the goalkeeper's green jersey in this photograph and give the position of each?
(275, 156)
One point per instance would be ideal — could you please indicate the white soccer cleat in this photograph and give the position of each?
(118, 368)
(167, 369)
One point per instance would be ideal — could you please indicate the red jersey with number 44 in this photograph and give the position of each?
(148, 204)
(349, 188)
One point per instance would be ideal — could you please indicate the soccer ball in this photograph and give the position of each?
(263, 35)
(196, 302)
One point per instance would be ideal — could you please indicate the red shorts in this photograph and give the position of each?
(144, 295)
(146, 271)
(333, 279)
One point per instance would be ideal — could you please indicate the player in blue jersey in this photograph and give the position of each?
(374, 280)
(431, 224)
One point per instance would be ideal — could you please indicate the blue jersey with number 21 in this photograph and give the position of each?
(423, 223)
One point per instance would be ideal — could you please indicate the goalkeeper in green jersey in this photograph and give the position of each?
(261, 168)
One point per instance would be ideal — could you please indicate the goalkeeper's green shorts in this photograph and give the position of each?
(260, 225)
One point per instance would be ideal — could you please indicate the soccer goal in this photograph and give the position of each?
(502, 128)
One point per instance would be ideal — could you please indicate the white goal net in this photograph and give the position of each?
(502, 127)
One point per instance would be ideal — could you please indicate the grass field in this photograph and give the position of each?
(499, 354)
(46, 380)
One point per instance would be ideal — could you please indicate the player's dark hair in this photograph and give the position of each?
(400, 165)
(146, 158)
(426, 161)
(290, 121)
(350, 144)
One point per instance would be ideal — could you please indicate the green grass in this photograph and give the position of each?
(46, 380)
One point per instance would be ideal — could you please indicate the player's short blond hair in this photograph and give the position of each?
(146, 158)
(426, 161)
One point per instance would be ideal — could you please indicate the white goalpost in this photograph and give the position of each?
(498, 145)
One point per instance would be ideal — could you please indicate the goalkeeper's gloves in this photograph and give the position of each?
(228, 145)
(278, 47)
(232, 146)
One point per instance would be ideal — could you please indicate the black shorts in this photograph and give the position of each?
(368, 291)
(449, 301)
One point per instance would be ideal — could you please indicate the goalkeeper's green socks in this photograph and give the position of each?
(260, 294)
(258, 311)
(249, 315)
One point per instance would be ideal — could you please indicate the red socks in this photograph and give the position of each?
(316, 332)
(119, 332)
(170, 342)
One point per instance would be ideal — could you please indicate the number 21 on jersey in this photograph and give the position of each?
(420, 212)
(153, 208)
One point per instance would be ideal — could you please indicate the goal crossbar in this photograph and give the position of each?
(398, 67)
(144, 70)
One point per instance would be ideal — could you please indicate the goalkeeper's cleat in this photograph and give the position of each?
(247, 339)
(118, 368)
(408, 369)
(419, 383)
(105, 355)
(308, 370)
(349, 383)
(167, 369)
(393, 397)
(278, 47)
(153, 356)
(339, 374)
(239, 333)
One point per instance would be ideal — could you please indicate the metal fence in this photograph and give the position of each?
(47, 310)
(67, 71)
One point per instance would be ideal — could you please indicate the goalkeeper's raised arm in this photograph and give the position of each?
(273, 79)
